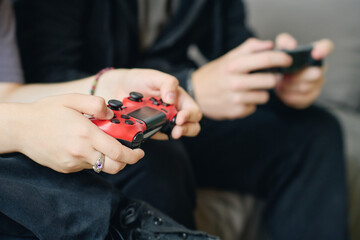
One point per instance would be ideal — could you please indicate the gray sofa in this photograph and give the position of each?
(307, 20)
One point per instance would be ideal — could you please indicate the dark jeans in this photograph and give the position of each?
(53, 205)
(291, 159)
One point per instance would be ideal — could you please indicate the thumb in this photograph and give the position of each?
(286, 41)
(91, 105)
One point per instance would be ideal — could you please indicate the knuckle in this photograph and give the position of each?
(238, 99)
(197, 129)
(82, 132)
(184, 130)
(116, 154)
(75, 151)
(227, 67)
(264, 97)
(236, 85)
(69, 167)
(251, 109)
(117, 168)
(271, 81)
(113, 171)
(238, 111)
(65, 171)
(268, 60)
(251, 41)
(99, 104)
(174, 81)
(316, 73)
(133, 160)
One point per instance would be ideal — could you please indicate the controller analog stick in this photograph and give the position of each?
(136, 97)
(115, 104)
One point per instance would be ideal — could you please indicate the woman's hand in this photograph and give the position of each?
(55, 133)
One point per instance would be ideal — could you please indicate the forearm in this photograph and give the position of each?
(33, 92)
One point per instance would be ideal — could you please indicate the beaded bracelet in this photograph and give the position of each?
(97, 77)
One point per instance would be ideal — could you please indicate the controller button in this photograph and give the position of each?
(129, 122)
(164, 104)
(153, 99)
(125, 116)
(135, 96)
(164, 110)
(156, 103)
(114, 116)
(115, 104)
(116, 121)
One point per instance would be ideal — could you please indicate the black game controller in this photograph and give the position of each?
(301, 58)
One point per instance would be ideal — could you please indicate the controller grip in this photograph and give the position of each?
(167, 128)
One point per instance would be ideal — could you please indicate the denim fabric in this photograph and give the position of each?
(53, 205)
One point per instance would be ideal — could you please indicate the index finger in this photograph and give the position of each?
(189, 111)
(113, 149)
(261, 60)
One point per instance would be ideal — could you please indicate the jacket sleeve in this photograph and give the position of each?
(236, 30)
(225, 28)
(50, 39)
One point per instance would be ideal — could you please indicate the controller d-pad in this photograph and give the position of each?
(129, 122)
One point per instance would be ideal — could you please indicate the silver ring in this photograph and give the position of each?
(98, 166)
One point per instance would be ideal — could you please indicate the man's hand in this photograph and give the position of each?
(300, 90)
(225, 89)
(119, 83)
(55, 133)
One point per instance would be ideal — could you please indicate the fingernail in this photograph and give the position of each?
(170, 97)
(109, 114)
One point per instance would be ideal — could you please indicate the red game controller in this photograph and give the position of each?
(137, 119)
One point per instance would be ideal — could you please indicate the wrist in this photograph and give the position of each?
(97, 78)
(11, 127)
(111, 83)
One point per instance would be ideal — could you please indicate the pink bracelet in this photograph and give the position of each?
(97, 77)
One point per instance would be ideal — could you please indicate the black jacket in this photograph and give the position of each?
(62, 40)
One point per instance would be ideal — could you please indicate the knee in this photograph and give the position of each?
(166, 159)
(324, 125)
